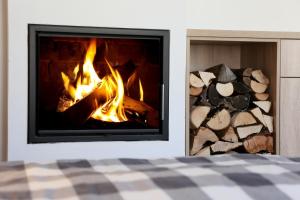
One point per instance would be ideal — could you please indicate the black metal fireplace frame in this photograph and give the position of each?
(49, 136)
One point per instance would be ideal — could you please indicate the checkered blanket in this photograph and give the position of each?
(218, 177)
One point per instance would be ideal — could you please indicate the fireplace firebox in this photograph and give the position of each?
(97, 84)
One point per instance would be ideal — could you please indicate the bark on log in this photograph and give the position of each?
(242, 119)
(79, 113)
(224, 89)
(264, 105)
(219, 121)
(223, 73)
(221, 146)
(240, 102)
(203, 135)
(258, 87)
(259, 143)
(198, 115)
(213, 95)
(247, 72)
(152, 115)
(245, 131)
(247, 81)
(240, 88)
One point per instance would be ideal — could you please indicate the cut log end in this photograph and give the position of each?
(220, 120)
(224, 89)
(195, 81)
(198, 115)
(203, 135)
(258, 87)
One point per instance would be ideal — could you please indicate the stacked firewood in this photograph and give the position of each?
(230, 111)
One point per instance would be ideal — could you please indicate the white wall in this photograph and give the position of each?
(272, 15)
(260, 15)
(3, 79)
(155, 14)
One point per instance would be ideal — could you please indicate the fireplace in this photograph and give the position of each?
(93, 84)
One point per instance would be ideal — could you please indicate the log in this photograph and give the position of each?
(221, 146)
(247, 81)
(264, 105)
(242, 119)
(219, 121)
(198, 115)
(223, 73)
(206, 77)
(152, 115)
(245, 131)
(269, 122)
(240, 102)
(80, 112)
(240, 88)
(259, 143)
(230, 135)
(203, 135)
(260, 77)
(224, 89)
(195, 81)
(194, 91)
(247, 72)
(261, 96)
(204, 152)
(226, 75)
(213, 95)
(258, 114)
(258, 87)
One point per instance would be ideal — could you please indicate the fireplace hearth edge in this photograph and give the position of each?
(37, 135)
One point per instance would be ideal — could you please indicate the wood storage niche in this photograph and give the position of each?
(231, 96)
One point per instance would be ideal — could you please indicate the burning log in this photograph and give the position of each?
(152, 115)
(78, 113)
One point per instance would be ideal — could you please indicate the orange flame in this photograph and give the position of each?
(112, 110)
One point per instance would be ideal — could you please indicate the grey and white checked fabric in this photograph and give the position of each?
(231, 177)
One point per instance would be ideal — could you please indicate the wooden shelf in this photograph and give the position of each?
(237, 51)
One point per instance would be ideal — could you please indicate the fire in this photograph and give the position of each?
(85, 80)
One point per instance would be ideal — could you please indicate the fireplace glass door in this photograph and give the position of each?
(89, 84)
